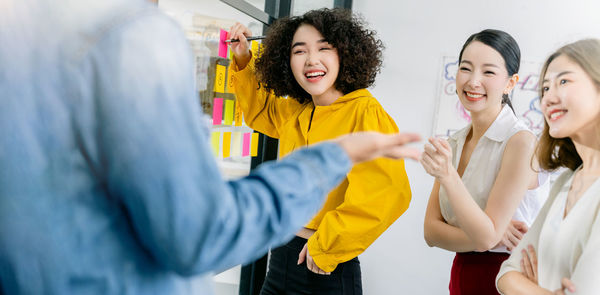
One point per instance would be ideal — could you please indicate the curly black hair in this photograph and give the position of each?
(359, 50)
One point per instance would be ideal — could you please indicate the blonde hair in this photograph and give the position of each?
(551, 152)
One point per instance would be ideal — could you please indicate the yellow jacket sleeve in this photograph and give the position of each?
(378, 193)
(263, 111)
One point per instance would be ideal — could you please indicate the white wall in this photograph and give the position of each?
(417, 34)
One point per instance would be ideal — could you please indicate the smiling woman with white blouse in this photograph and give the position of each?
(561, 252)
(472, 207)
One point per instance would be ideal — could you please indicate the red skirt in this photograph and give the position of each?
(475, 273)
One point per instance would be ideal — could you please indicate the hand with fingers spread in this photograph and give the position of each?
(310, 263)
(437, 158)
(368, 145)
(241, 49)
(513, 234)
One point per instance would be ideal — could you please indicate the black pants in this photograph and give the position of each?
(285, 277)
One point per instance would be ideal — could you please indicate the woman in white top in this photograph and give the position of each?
(471, 207)
(561, 252)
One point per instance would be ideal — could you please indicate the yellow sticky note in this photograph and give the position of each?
(229, 111)
(238, 114)
(254, 145)
(230, 88)
(214, 140)
(220, 79)
(255, 47)
(226, 144)
(236, 144)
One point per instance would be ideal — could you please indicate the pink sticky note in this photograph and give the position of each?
(223, 44)
(217, 111)
(246, 145)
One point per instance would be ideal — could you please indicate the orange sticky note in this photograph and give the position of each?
(220, 79)
(230, 88)
(214, 140)
(229, 111)
(226, 144)
(238, 114)
(254, 145)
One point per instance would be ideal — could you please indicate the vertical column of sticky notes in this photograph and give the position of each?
(226, 112)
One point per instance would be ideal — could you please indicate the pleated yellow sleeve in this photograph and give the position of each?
(263, 111)
(378, 192)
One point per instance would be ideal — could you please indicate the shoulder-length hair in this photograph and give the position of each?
(551, 152)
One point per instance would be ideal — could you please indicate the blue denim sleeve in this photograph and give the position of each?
(140, 125)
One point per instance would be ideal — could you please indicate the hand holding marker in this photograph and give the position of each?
(247, 38)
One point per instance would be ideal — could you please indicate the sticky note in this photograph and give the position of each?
(214, 141)
(226, 144)
(238, 114)
(223, 44)
(230, 88)
(217, 111)
(220, 79)
(254, 145)
(236, 144)
(229, 111)
(254, 46)
(246, 145)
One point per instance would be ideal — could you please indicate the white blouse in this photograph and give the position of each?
(566, 247)
(483, 167)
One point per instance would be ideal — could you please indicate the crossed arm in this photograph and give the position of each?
(478, 230)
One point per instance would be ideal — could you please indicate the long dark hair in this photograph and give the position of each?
(506, 45)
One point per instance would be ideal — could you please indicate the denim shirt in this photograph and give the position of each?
(107, 181)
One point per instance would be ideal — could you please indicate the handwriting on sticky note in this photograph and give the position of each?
(238, 114)
(230, 88)
(220, 79)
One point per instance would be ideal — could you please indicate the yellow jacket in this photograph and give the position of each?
(373, 195)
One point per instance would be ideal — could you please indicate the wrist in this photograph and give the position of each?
(242, 60)
(450, 177)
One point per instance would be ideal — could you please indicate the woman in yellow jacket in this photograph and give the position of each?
(322, 61)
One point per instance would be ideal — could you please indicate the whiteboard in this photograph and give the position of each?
(450, 116)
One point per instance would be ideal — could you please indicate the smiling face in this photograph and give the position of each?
(570, 100)
(315, 64)
(482, 78)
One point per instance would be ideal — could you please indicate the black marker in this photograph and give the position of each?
(247, 38)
